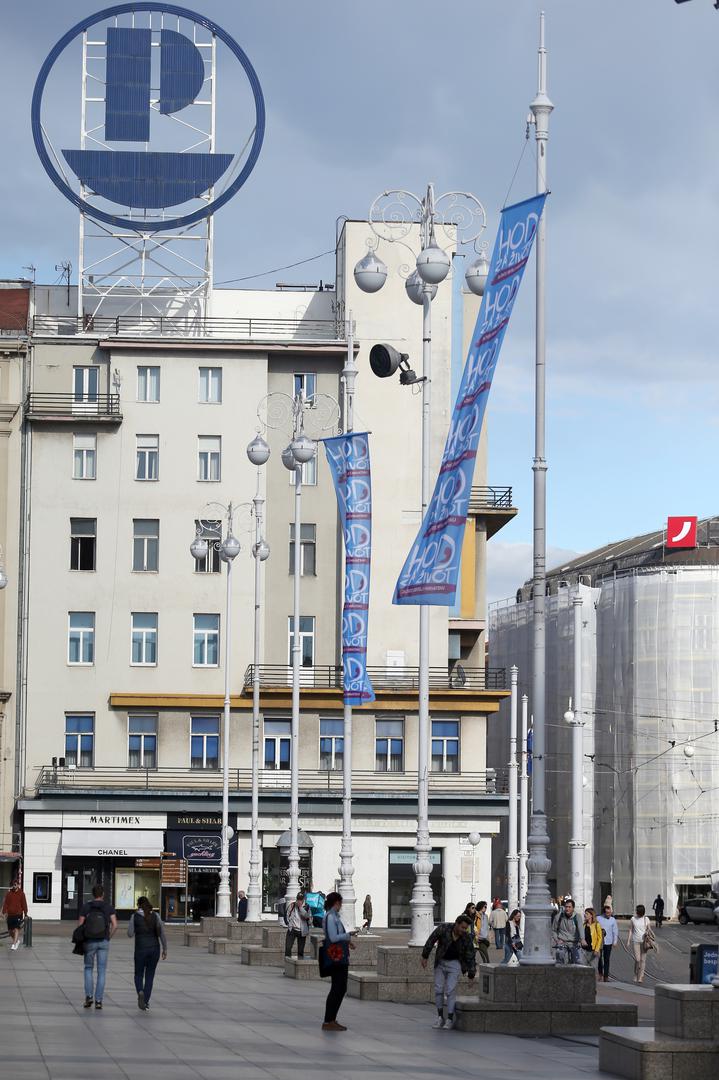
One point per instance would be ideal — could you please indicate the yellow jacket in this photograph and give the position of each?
(597, 935)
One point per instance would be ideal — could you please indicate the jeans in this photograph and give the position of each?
(499, 939)
(337, 991)
(446, 977)
(604, 957)
(101, 951)
(567, 952)
(292, 936)
(640, 961)
(483, 950)
(146, 961)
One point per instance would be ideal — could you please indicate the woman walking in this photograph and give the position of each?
(591, 946)
(147, 929)
(337, 936)
(367, 913)
(513, 943)
(640, 941)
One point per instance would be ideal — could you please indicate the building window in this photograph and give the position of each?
(81, 637)
(332, 745)
(389, 746)
(147, 461)
(211, 531)
(79, 740)
(84, 457)
(148, 383)
(205, 742)
(82, 543)
(143, 650)
(142, 742)
(305, 383)
(145, 544)
(445, 746)
(211, 385)
(86, 386)
(209, 454)
(308, 549)
(277, 744)
(206, 640)
(307, 640)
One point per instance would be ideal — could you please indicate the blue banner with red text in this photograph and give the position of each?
(348, 458)
(431, 571)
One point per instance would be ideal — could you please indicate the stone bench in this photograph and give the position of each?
(259, 956)
(306, 968)
(195, 939)
(249, 933)
(539, 1018)
(224, 947)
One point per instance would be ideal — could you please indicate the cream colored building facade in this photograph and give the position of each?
(130, 427)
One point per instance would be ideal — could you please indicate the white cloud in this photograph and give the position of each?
(510, 565)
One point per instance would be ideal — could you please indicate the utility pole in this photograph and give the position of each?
(512, 856)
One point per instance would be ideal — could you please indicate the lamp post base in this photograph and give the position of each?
(538, 904)
(422, 902)
(347, 889)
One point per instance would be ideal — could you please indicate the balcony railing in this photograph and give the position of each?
(68, 406)
(272, 781)
(188, 325)
(490, 498)
(329, 677)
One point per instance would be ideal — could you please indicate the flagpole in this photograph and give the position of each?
(346, 868)
(537, 907)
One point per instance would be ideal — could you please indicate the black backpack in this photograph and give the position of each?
(95, 925)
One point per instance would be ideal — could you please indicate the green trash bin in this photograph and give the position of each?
(27, 936)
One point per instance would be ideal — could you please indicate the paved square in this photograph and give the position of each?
(213, 1018)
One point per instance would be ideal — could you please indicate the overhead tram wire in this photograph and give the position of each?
(276, 270)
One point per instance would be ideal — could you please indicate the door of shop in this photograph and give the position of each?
(78, 878)
(401, 881)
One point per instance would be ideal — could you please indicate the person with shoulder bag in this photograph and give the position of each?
(146, 928)
(567, 934)
(334, 959)
(591, 946)
(498, 920)
(299, 920)
(481, 926)
(640, 941)
(513, 943)
(98, 923)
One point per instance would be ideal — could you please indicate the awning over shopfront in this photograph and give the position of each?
(113, 843)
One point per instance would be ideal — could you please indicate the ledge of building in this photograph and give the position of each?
(459, 699)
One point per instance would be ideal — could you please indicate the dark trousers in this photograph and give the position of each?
(604, 958)
(483, 950)
(337, 991)
(146, 960)
(292, 936)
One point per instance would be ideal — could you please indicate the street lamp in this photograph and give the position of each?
(456, 218)
(258, 453)
(575, 718)
(229, 549)
(474, 839)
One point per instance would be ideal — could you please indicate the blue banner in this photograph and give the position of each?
(431, 571)
(348, 458)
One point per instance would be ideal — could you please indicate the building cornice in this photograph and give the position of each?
(449, 701)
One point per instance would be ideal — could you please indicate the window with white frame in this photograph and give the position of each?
(142, 741)
(147, 457)
(305, 383)
(81, 637)
(278, 741)
(210, 385)
(209, 457)
(211, 531)
(80, 740)
(84, 457)
(332, 745)
(206, 640)
(307, 640)
(145, 545)
(143, 638)
(148, 383)
(83, 539)
(445, 746)
(205, 742)
(389, 745)
(308, 549)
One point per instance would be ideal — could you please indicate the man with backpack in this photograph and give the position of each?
(567, 934)
(298, 919)
(99, 923)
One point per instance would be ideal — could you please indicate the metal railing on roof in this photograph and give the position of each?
(250, 328)
(329, 677)
(490, 498)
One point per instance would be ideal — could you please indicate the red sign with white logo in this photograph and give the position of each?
(681, 532)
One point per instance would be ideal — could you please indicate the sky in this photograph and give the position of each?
(362, 97)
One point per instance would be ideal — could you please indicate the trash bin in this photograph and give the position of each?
(703, 963)
(27, 936)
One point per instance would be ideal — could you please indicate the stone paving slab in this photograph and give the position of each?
(215, 1019)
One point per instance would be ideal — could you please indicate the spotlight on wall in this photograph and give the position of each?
(385, 360)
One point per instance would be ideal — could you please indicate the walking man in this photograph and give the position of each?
(498, 920)
(611, 937)
(242, 906)
(658, 908)
(299, 920)
(100, 922)
(568, 934)
(14, 907)
(454, 957)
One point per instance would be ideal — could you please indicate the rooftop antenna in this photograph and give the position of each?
(33, 271)
(65, 268)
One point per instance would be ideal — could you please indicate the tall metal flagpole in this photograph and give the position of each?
(523, 806)
(223, 892)
(346, 869)
(537, 908)
(254, 891)
(512, 856)
(576, 843)
(293, 872)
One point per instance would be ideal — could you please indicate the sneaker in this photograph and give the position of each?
(141, 1001)
(448, 1024)
(333, 1026)
(88, 1003)
(15, 945)
(439, 1022)
(98, 1004)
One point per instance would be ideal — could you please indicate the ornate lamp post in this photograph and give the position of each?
(396, 216)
